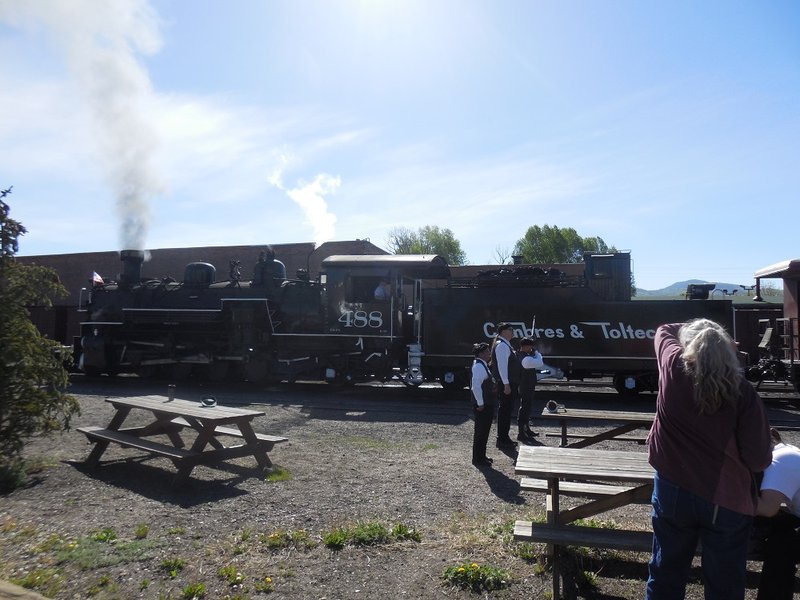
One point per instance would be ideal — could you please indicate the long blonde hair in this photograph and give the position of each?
(710, 360)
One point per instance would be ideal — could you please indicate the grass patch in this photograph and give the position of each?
(44, 581)
(475, 577)
(173, 566)
(368, 534)
(194, 590)
(264, 586)
(281, 539)
(230, 574)
(141, 531)
(279, 473)
(97, 550)
(176, 531)
(106, 535)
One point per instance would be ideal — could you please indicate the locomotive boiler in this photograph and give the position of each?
(270, 328)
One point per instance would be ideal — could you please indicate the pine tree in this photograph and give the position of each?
(33, 379)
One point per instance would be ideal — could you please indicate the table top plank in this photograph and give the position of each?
(583, 464)
(584, 414)
(162, 404)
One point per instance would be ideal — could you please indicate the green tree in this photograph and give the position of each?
(427, 240)
(33, 379)
(552, 244)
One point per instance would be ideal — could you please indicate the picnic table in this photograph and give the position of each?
(173, 418)
(626, 421)
(591, 473)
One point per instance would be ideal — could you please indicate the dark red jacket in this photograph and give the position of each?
(713, 456)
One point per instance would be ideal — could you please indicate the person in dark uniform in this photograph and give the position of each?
(529, 360)
(505, 368)
(482, 388)
(268, 271)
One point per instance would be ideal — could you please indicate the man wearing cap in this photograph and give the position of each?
(530, 360)
(482, 387)
(505, 368)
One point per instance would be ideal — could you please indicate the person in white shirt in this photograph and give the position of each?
(384, 290)
(530, 360)
(482, 388)
(777, 524)
(505, 368)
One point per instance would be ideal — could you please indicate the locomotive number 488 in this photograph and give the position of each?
(362, 318)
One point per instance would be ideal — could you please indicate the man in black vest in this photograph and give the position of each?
(505, 368)
(530, 360)
(482, 388)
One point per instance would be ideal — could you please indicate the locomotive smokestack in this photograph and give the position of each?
(131, 267)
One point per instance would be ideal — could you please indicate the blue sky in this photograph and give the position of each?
(670, 129)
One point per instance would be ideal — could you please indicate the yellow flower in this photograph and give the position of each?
(473, 566)
(461, 569)
(268, 580)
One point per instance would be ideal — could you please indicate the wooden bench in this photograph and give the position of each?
(574, 488)
(595, 537)
(127, 440)
(577, 436)
(232, 431)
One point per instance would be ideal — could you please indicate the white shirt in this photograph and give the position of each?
(532, 361)
(381, 293)
(502, 352)
(783, 475)
(480, 373)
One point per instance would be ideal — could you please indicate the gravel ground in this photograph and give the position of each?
(358, 456)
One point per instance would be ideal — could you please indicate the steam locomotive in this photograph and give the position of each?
(332, 327)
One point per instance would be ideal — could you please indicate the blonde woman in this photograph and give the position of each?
(709, 436)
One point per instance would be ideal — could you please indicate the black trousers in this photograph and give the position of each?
(483, 425)
(779, 541)
(505, 406)
(525, 409)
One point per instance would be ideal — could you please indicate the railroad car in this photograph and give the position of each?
(271, 328)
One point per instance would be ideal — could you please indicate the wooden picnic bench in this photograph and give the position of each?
(171, 418)
(593, 474)
(619, 423)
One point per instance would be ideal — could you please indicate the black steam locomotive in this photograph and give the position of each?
(420, 327)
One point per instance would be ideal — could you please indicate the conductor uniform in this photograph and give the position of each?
(482, 389)
(505, 368)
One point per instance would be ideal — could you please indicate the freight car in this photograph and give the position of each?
(272, 328)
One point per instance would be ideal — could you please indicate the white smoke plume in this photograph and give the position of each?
(310, 197)
(101, 42)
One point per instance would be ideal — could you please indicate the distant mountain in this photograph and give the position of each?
(678, 288)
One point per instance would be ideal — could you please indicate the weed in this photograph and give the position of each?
(475, 577)
(106, 535)
(144, 585)
(586, 580)
(172, 566)
(429, 447)
(53, 542)
(279, 473)
(176, 530)
(404, 532)
(45, 581)
(246, 534)
(264, 586)
(141, 531)
(194, 590)
(231, 575)
(369, 534)
(525, 550)
(335, 539)
(237, 550)
(277, 540)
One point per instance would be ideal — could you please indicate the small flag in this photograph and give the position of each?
(96, 279)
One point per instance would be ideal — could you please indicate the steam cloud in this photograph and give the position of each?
(100, 41)
(310, 197)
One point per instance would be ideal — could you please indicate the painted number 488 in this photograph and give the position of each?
(362, 318)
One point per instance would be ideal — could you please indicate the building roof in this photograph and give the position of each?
(788, 269)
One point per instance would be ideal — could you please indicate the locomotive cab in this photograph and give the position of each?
(375, 302)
